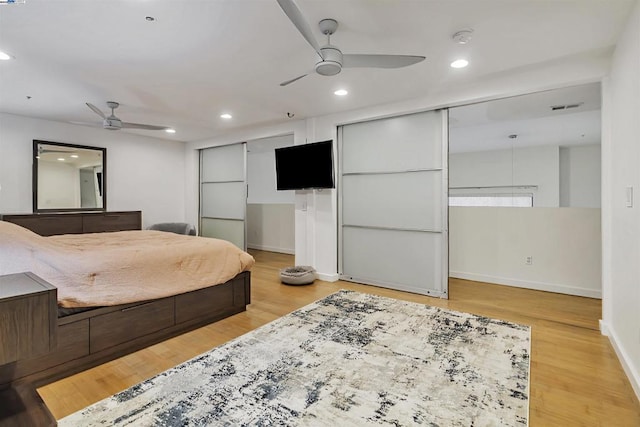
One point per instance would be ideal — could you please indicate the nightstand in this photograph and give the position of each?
(28, 328)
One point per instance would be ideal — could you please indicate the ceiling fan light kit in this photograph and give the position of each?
(332, 60)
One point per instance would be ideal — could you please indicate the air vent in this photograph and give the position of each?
(565, 107)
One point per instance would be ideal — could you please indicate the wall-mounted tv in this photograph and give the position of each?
(303, 167)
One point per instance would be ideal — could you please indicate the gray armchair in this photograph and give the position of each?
(174, 227)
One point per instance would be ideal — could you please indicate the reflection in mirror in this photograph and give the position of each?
(68, 177)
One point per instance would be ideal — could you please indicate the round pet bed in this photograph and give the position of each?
(298, 275)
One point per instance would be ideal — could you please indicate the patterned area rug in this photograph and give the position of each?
(350, 359)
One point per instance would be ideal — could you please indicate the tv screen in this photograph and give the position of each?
(306, 166)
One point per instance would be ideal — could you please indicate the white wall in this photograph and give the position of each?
(526, 166)
(270, 227)
(491, 244)
(570, 175)
(580, 175)
(621, 224)
(261, 171)
(270, 213)
(143, 173)
(61, 188)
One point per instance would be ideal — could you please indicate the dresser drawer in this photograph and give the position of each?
(48, 225)
(124, 325)
(112, 221)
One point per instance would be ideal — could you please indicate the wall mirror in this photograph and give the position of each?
(68, 177)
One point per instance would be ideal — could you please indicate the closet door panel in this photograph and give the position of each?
(223, 200)
(403, 260)
(393, 203)
(230, 230)
(223, 193)
(393, 200)
(224, 163)
(393, 144)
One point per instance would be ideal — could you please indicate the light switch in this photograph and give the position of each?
(629, 197)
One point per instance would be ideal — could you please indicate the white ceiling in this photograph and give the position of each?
(201, 58)
(487, 125)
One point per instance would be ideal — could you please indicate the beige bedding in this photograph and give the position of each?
(122, 267)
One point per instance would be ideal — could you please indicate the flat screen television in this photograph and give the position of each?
(304, 167)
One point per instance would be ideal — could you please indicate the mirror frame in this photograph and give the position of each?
(34, 182)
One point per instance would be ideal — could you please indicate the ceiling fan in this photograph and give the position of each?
(332, 60)
(112, 122)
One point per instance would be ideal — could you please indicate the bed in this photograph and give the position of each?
(122, 291)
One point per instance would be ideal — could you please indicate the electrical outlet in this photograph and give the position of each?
(528, 260)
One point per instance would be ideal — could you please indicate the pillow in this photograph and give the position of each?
(175, 227)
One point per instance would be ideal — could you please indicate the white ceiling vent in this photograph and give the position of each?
(565, 107)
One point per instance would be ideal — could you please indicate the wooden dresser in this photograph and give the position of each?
(48, 224)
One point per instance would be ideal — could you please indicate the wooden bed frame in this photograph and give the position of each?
(93, 337)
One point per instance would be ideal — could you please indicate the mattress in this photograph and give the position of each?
(104, 269)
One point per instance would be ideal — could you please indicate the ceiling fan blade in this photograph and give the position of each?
(379, 61)
(294, 14)
(141, 126)
(96, 110)
(292, 80)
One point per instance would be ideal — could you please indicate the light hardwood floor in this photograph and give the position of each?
(576, 379)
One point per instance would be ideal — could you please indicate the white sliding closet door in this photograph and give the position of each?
(393, 203)
(223, 193)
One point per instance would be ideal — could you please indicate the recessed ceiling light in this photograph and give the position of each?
(170, 130)
(341, 92)
(61, 159)
(226, 116)
(4, 56)
(74, 156)
(459, 63)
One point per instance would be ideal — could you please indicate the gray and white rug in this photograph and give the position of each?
(350, 359)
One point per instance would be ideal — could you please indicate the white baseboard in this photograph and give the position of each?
(623, 356)
(271, 249)
(604, 328)
(328, 277)
(540, 286)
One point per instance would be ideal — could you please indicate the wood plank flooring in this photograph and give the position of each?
(576, 378)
